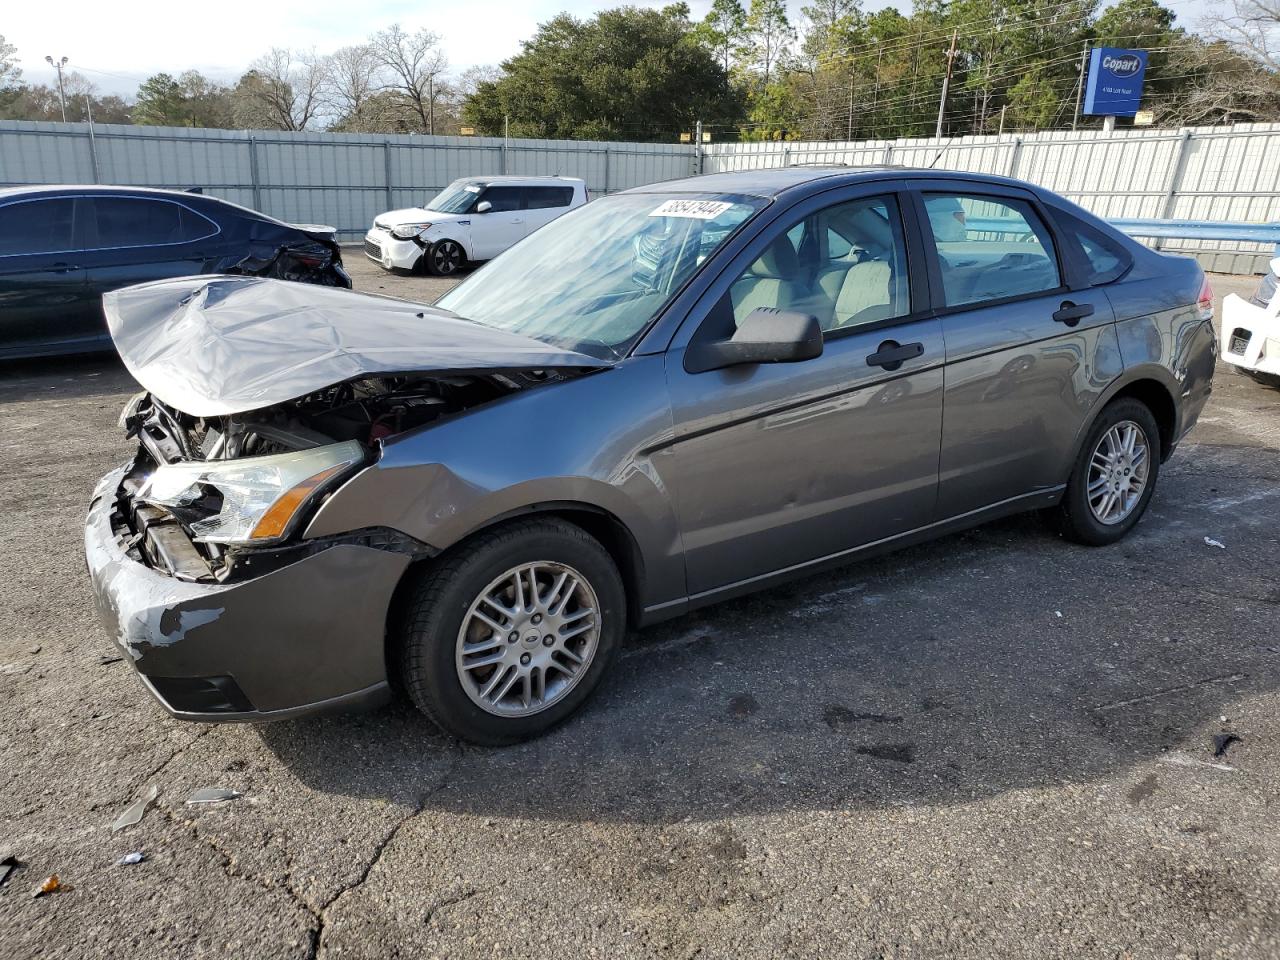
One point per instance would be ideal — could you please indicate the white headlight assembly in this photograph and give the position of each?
(259, 496)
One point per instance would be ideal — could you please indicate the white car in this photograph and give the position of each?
(1251, 330)
(471, 220)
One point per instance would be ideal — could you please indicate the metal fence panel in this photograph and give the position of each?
(1207, 173)
(339, 179)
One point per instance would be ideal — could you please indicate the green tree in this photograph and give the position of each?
(625, 74)
(724, 30)
(770, 36)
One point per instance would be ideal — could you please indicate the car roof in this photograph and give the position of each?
(62, 189)
(517, 181)
(775, 181)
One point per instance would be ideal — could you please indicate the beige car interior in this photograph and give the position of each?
(844, 265)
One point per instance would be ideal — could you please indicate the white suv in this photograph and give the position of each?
(470, 220)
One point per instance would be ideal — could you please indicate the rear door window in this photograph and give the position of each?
(543, 197)
(37, 226)
(504, 199)
(990, 248)
(142, 222)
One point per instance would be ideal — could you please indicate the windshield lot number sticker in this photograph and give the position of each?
(692, 209)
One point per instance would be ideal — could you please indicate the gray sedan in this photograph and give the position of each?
(670, 396)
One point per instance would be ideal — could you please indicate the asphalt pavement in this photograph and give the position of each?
(996, 745)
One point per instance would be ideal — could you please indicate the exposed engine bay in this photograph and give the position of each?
(360, 413)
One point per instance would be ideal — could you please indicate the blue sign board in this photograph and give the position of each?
(1115, 81)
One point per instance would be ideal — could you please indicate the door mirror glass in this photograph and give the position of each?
(484, 206)
(766, 335)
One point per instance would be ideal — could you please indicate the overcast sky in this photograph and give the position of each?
(117, 45)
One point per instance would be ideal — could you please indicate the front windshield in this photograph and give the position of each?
(457, 197)
(592, 280)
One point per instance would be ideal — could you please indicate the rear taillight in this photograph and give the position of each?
(1205, 301)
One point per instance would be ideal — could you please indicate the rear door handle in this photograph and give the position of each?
(891, 354)
(64, 267)
(1072, 313)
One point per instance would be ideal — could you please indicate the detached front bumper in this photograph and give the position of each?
(390, 253)
(1250, 336)
(307, 637)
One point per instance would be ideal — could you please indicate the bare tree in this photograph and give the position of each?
(283, 90)
(413, 62)
(1252, 26)
(10, 72)
(353, 78)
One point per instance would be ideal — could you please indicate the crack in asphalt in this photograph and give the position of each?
(321, 916)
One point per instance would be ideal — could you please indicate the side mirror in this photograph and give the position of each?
(767, 335)
(484, 206)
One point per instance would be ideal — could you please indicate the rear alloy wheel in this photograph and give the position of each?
(510, 634)
(1114, 475)
(444, 258)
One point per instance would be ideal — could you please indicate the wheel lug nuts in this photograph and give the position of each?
(548, 640)
(537, 618)
(512, 637)
(524, 659)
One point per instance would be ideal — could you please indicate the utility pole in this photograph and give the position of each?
(431, 104)
(848, 133)
(1003, 108)
(697, 146)
(946, 82)
(1084, 59)
(875, 96)
(62, 94)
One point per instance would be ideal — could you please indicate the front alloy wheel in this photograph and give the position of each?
(509, 632)
(444, 258)
(527, 639)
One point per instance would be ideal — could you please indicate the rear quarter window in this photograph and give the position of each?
(142, 222)
(1104, 258)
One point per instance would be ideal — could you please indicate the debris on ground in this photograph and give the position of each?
(51, 885)
(129, 859)
(1210, 542)
(135, 811)
(213, 795)
(34, 650)
(1182, 760)
(8, 864)
(14, 667)
(103, 661)
(1222, 743)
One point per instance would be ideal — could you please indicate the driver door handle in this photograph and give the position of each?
(892, 354)
(63, 267)
(1072, 313)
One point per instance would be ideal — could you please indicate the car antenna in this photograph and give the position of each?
(944, 149)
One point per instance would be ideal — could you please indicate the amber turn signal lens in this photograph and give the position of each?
(276, 519)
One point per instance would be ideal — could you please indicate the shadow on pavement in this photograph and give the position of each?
(996, 660)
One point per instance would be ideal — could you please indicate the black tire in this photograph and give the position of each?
(443, 595)
(1074, 518)
(444, 258)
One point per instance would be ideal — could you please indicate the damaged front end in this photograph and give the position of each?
(210, 499)
(262, 400)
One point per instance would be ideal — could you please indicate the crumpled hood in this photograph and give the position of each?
(393, 218)
(211, 346)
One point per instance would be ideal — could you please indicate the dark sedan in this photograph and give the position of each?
(62, 248)
(667, 397)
